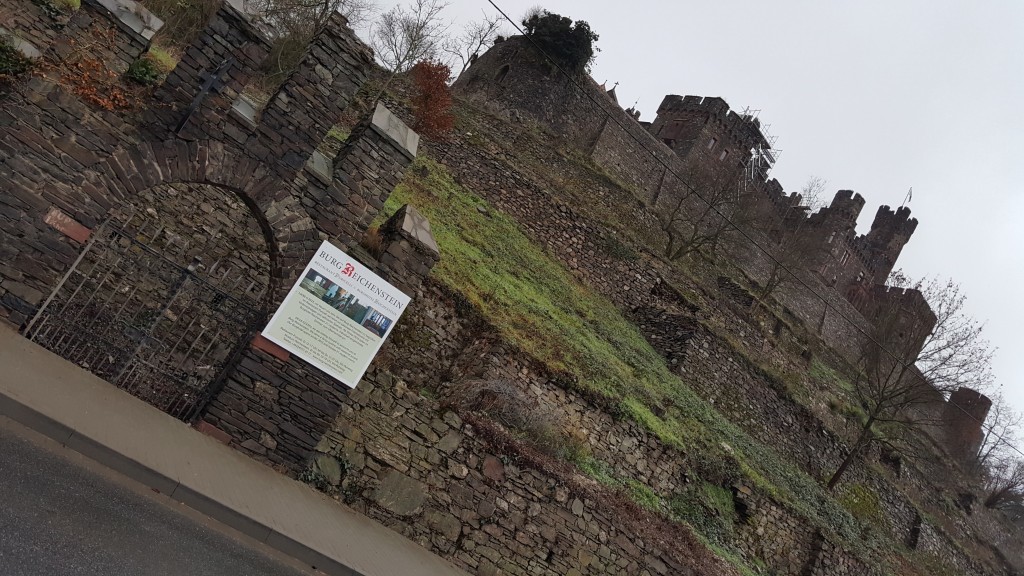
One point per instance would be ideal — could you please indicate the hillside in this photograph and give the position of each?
(564, 267)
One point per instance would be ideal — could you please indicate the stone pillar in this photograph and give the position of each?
(276, 407)
(135, 27)
(408, 250)
(196, 98)
(311, 101)
(365, 172)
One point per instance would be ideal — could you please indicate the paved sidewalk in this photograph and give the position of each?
(50, 395)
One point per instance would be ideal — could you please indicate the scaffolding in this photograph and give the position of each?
(763, 155)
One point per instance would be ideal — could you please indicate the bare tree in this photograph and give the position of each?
(476, 37)
(1004, 486)
(1002, 426)
(293, 24)
(889, 390)
(956, 354)
(307, 14)
(911, 358)
(790, 252)
(701, 211)
(409, 33)
(791, 248)
(813, 194)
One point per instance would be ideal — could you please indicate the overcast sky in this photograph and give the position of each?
(872, 96)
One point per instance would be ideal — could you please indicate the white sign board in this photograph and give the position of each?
(337, 315)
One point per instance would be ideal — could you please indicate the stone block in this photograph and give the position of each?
(400, 494)
(396, 131)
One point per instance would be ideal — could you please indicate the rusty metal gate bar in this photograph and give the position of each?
(152, 327)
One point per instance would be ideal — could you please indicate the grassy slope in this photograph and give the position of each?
(534, 302)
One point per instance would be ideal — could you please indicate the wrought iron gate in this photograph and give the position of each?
(161, 331)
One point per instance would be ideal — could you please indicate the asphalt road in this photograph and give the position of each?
(61, 514)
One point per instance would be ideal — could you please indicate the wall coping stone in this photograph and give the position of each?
(391, 127)
(133, 15)
(320, 165)
(245, 109)
(27, 49)
(416, 227)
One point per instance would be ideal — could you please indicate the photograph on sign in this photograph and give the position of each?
(337, 315)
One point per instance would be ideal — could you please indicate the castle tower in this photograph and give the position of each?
(841, 215)
(704, 129)
(889, 233)
(963, 415)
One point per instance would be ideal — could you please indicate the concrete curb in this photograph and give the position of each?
(58, 399)
(106, 456)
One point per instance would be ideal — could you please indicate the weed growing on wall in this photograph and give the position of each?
(12, 62)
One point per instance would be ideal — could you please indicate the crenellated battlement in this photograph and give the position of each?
(745, 129)
(895, 222)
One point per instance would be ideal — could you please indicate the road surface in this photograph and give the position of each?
(61, 514)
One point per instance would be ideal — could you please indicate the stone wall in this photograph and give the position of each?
(443, 482)
(439, 480)
(208, 180)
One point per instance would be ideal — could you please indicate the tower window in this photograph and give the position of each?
(723, 154)
(502, 72)
(845, 258)
(711, 143)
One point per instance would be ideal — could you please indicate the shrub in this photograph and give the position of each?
(511, 406)
(152, 67)
(431, 101)
(12, 62)
(143, 71)
(570, 45)
(708, 508)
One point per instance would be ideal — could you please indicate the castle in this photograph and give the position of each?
(693, 136)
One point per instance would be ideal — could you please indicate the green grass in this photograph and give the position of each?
(862, 502)
(708, 508)
(643, 495)
(536, 304)
(162, 57)
(826, 375)
(339, 133)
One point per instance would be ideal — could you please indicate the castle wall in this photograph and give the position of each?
(714, 368)
(528, 88)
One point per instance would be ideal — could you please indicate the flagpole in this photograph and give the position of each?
(909, 196)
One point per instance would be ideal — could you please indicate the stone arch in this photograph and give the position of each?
(289, 233)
